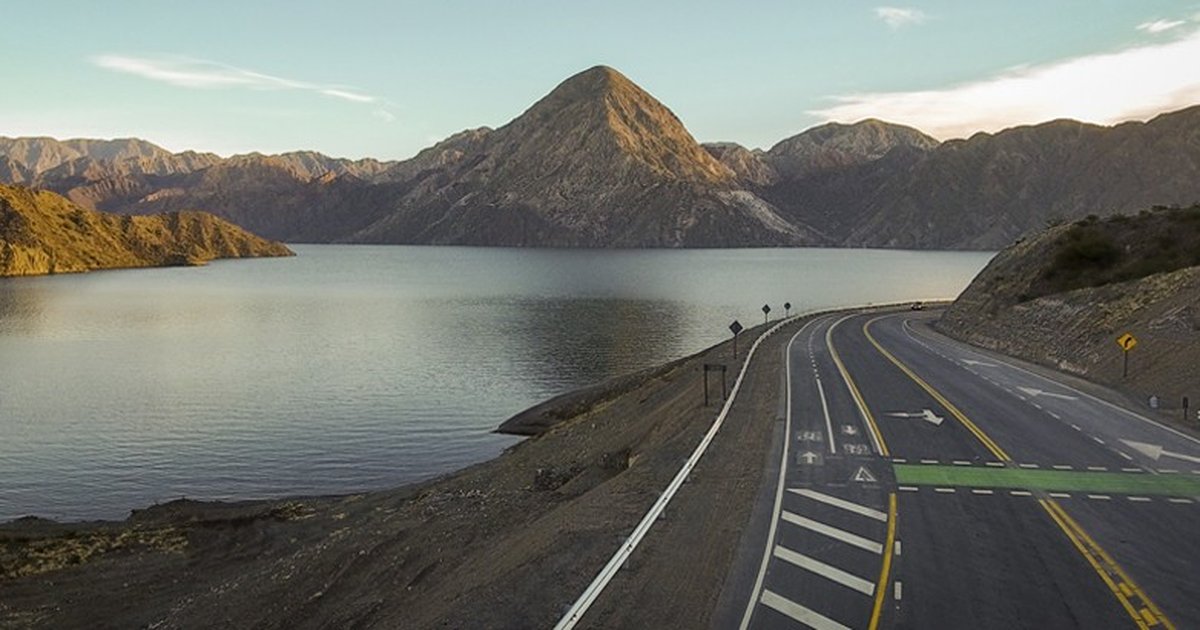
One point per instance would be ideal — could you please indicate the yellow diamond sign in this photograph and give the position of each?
(1127, 342)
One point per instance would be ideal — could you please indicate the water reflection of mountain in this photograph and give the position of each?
(555, 344)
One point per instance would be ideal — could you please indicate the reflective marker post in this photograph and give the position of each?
(735, 328)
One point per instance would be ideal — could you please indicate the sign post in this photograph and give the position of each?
(719, 367)
(787, 309)
(1127, 343)
(766, 312)
(735, 328)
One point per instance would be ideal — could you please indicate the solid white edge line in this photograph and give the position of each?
(837, 502)
(606, 574)
(787, 438)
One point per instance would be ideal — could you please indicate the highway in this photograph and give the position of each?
(926, 484)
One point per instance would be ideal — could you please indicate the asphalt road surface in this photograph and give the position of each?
(925, 484)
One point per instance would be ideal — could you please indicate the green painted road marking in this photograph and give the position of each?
(1040, 479)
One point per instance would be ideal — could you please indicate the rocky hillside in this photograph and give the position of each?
(43, 233)
(1062, 297)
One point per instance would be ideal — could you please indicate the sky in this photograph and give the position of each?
(384, 79)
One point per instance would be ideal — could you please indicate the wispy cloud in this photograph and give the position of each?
(1159, 26)
(1134, 83)
(384, 115)
(203, 74)
(899, 17)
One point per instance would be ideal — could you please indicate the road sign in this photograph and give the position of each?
(735, 328)
(787, 308)
(766, 312)
(1127, 342)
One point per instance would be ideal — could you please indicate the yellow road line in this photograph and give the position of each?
(853, 387)
(889, 549)
(1053, 510)
(1126, 582)
(1105, 566)
(954, 411)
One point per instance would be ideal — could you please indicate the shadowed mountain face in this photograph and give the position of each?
(599, 162)
(43, 233)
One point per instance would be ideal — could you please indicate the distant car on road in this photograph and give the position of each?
(916, 306)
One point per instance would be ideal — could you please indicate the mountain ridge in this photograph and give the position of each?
(599, 162)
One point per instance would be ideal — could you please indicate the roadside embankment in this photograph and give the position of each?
(503, 544)
(1062, 298)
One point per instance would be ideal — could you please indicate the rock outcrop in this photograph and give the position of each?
(43, 233)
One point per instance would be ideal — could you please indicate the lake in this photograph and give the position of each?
(352, 368)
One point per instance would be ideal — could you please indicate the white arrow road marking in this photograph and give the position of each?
(1154, 451)
(809, 457)
(1032, 392)
(925, 414)
(980, 363)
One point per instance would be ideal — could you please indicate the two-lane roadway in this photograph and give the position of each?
(926, 484)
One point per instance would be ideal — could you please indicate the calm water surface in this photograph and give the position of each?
(351, 367)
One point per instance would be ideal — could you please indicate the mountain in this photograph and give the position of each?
(44, 233)
(597, 162)
(986, 191)
(1062, 297)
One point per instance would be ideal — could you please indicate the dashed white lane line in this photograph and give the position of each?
(1059, 495)
(981, 491)
(1098, 440)
(1097, 468)
(1139, 499)
(828, 421)
(836, 502)
(1180, 501)
(1020, 493)
(994, 464)
(1061, 467)
(961, 462)
(1099, 497)
(1131, 469)
(1168, 471)
(1076, 427)
(853, 540)
(899, 460)
(1028, 465)
(899, 591)
(827, 571)
(806, 616)
(944, 490)
(1125, 455)
(897, 547)
(930, 461)
(1054, 415)
(907, 488)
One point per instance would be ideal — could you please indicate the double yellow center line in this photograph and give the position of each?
(1144, 613)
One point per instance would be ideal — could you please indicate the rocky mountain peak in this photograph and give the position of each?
(838, 145)
(599, 114)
